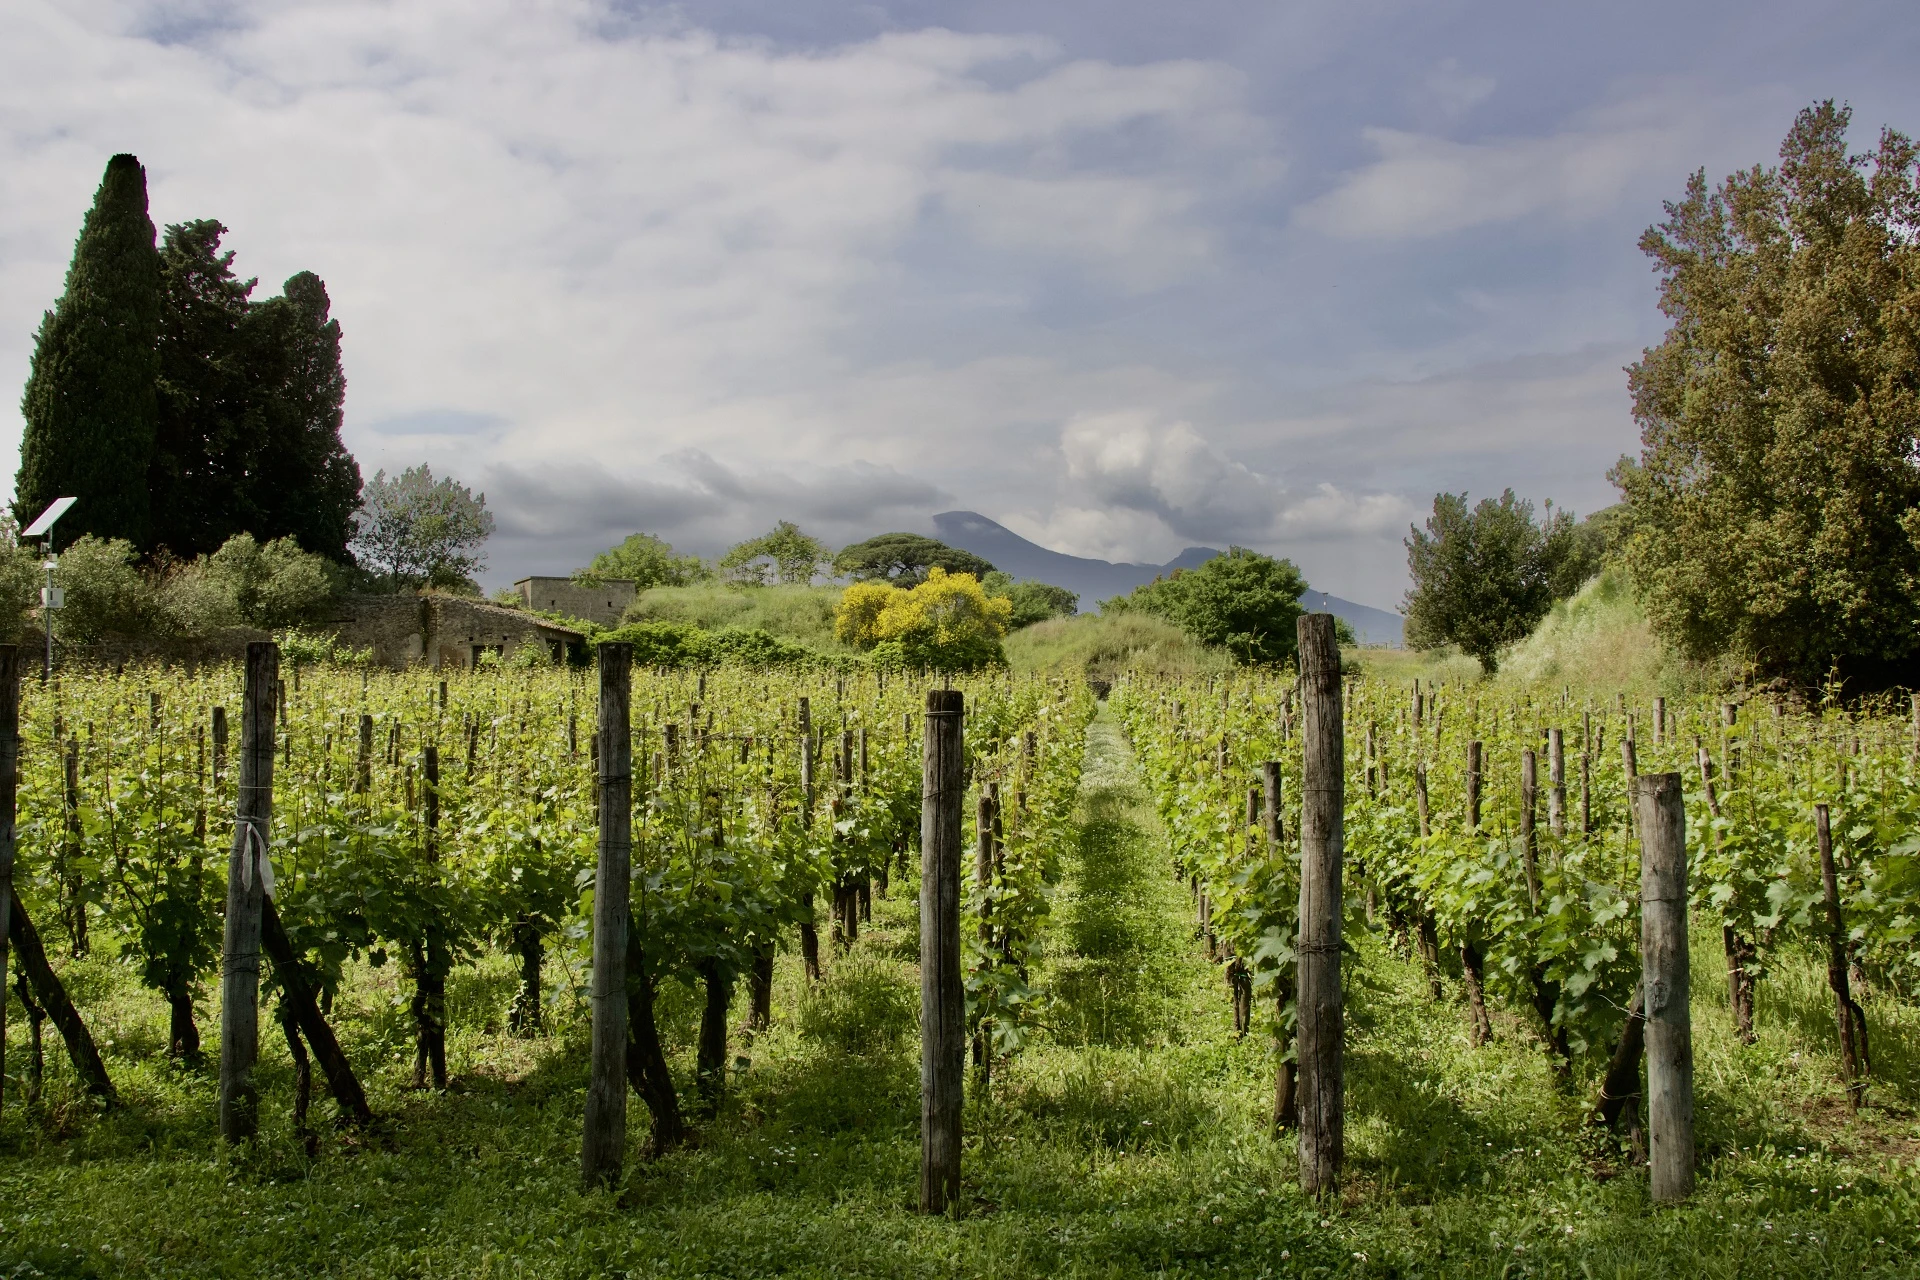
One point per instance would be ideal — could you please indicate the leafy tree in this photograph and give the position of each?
(270, 585)
(417, 531)
(21, 578)
(1484, 577)
(308, 486)
(904, 559)
(1243, 601)
(106, 592)
(251, 399)
(89, 404)
(1774, 510)
(646, 561)
(203, 454)
(784, 554)
(1032, 601)
(947, 623)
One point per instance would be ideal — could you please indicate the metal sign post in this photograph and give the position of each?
(51, 597)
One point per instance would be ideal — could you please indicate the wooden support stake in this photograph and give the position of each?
(1664, 979)
(1321, 1019)
(603, 1147)
(1557, 783)
(1474, 756)
(248, 867)
(1529, 806)
(943, 1033)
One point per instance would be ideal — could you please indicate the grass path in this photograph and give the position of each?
(1127, 1140)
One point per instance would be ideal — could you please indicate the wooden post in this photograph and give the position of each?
(1529, 806)
(943, 1033)
(1474, 751)
(1850, 1019)
(603, 1148)
(363, 774)
(431, 1052)
(1557, 783)
(1659, 722)
(219, 745)
(809, 929)
(1664, 979)
(1322, 796)
(248, 866)
(9, 785)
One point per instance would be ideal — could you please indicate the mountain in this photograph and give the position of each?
(1097, 580)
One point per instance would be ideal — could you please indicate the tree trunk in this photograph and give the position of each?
(81, 1050)
(183, 1035)
(647, 1069)
(1741, 956)
(341, 1082)
(1474, 978)
(760, 988)
(711, 1058)
(1621, 1087)
(525, 1017)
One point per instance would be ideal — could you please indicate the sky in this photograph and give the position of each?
(1126, 276)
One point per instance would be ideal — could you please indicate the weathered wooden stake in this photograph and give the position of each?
(1529, 807)
(603, 1148)
(1322, 796)
(248, 867)
(1557, 783)
(1474, 756)
(1664, 979)
(943, 1032)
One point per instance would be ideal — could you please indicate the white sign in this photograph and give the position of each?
(53, 597)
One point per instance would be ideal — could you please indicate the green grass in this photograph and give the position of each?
(1127, 1140)
(1102, 646)
(803, 614)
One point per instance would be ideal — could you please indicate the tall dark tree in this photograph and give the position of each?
(90, 403)
(307, 485)
(206, 449)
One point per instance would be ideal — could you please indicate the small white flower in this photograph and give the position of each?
(1217, 1219)
(1285, 1254)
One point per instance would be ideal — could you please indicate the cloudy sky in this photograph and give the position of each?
(1123, 275)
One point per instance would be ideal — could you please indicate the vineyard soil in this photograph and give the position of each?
(1127, 1138)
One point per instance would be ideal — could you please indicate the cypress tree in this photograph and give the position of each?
(90, 403)
(205, 447)
(307, 485)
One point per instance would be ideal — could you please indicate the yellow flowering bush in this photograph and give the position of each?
(948, 622)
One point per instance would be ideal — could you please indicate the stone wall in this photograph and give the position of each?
(441, 631)
(445, 632)
(604, 604)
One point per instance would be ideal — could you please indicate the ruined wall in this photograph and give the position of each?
(604, 604)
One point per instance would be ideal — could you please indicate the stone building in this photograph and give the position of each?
(604, 603)
(444, 632)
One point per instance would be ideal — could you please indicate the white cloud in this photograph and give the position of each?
(1138, 488)
(621, 240)
(1425, 185)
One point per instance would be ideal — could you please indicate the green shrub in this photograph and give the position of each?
(106, 592)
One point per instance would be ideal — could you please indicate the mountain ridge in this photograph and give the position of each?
(1096, 580)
